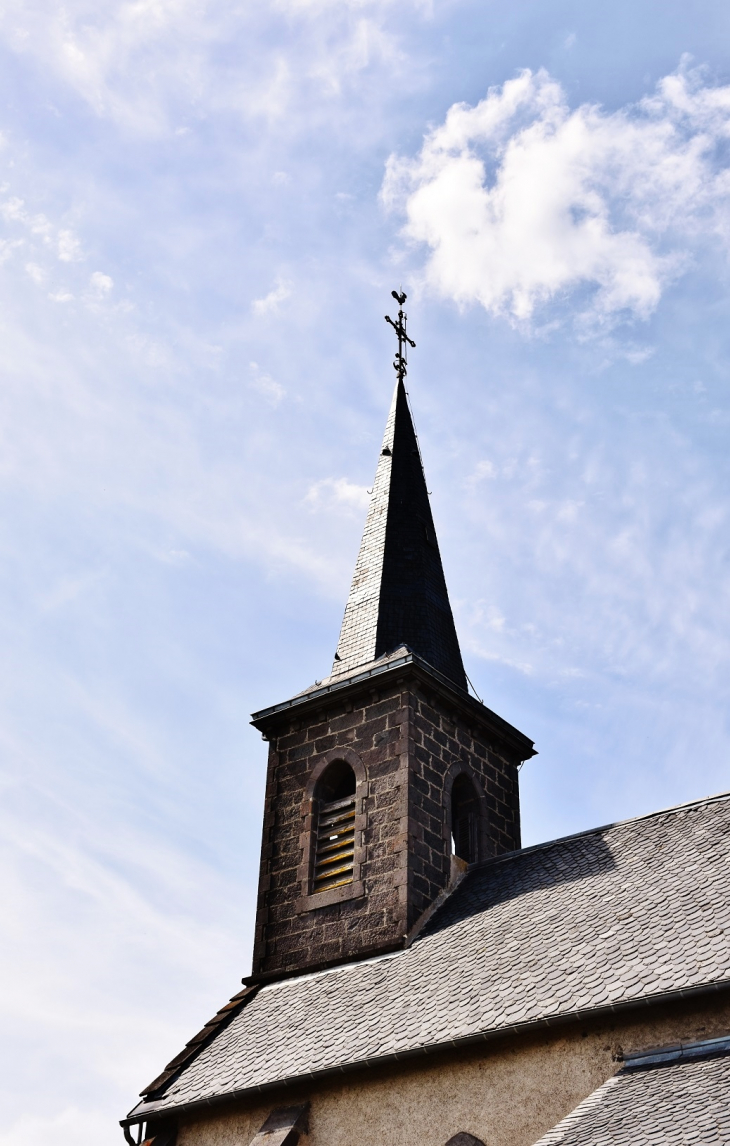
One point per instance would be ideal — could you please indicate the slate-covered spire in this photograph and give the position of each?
(398, 595)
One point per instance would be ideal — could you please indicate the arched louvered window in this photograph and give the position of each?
(464, 819)
(334, 851)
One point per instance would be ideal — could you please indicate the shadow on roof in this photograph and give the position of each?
(522, 873)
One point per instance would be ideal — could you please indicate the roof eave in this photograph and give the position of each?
(267, 719)
(145, 1111)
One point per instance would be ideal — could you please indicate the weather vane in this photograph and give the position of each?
(401, 358)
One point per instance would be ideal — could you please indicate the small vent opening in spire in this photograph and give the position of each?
(335, 843)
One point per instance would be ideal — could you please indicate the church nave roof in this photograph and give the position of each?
(600, 920)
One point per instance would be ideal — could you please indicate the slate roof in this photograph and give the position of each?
(680, 1098)
(398, 594)
(633, 911)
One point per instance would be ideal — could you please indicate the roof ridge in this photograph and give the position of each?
(673, 808)
(677, 1052)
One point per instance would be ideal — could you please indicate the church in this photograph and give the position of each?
(419, 978)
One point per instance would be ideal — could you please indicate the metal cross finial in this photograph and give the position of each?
(401, 358)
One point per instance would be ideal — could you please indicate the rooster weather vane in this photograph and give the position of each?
(401, 358)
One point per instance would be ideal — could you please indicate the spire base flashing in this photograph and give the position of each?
(384, 669)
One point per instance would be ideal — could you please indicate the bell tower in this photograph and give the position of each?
(387, 777)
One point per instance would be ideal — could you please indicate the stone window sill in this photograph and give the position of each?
(354, 890)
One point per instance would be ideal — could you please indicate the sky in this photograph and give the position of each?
(204, 207)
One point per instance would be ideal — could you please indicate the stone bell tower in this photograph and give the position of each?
(387, 777)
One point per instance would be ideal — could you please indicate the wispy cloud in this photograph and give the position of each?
(523, 201)
(47, 246)
(179, 527)
(149, 67)
(337, 494)
(101, 284)
(264, 384)
(36, 273)
(69, 248)
(271, 302)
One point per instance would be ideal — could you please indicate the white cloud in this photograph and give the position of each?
(482, 470)
(270, 303)
(7, 246)
(145, 65)
(339, 494)
(69, 248)
(36, 273)
(523, 201)
(38, 236)
(101, 284)
(13, 210)
(272, 390)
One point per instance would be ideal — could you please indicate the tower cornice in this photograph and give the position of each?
(381, 674)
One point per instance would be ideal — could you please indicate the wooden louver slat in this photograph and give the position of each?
(335, 849)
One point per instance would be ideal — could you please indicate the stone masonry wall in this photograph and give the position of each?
(407, 738)
(441, 742)
(371, 726)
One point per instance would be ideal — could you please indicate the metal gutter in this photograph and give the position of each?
(151, 1110)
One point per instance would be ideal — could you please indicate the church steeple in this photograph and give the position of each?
(386, 778)
(398, 594)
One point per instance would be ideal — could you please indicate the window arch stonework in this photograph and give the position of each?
(309, 871)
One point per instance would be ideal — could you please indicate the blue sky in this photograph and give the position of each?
(203, 209)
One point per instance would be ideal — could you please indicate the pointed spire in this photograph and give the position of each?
(398, 594)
